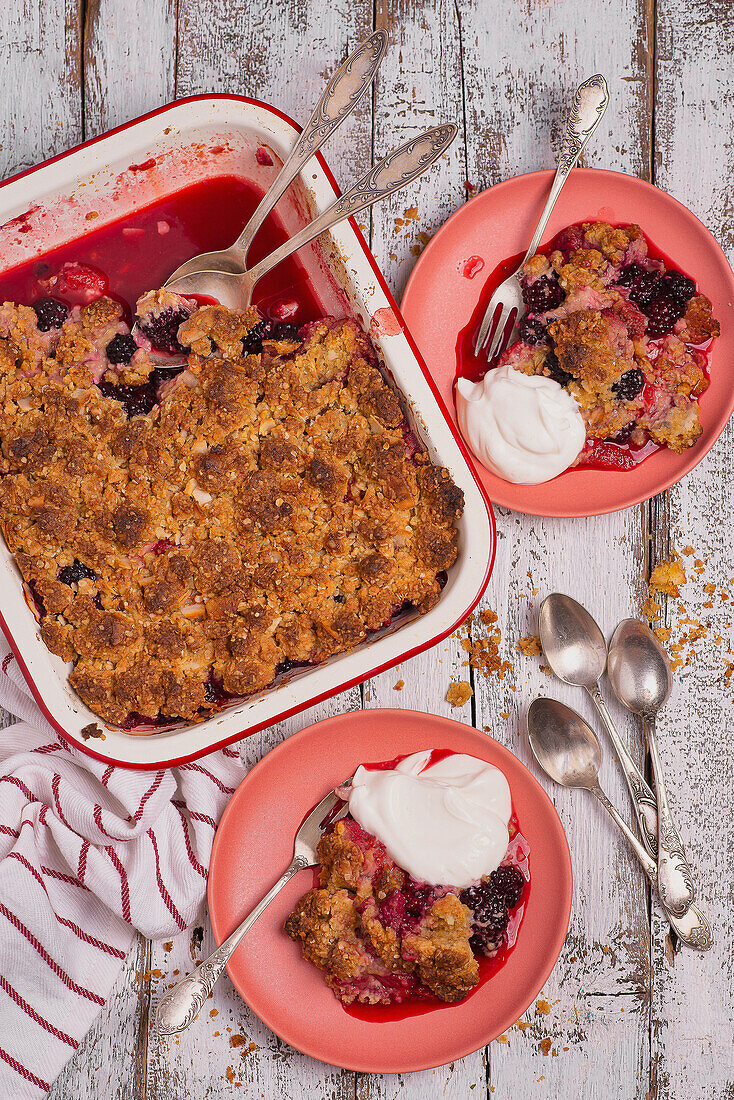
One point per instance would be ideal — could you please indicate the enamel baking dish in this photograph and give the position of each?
(139, 163)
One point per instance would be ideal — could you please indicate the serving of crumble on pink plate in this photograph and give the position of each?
(254, 844)
(647, 424)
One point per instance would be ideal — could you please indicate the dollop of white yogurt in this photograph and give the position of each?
(525, 428)
(445, 824)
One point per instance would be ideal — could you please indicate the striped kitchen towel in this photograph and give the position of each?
(88, 852)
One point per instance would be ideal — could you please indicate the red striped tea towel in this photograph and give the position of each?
(88, 853)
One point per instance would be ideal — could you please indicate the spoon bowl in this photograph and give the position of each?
(572, 641)
(638, 668)
(564, 745)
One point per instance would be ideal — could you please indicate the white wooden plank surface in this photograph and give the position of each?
(621, 1016)
(693, 996)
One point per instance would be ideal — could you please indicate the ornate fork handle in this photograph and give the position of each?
(589, 104)
(181, 1005)
(340, 97)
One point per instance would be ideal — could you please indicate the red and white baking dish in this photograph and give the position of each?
(177, 146)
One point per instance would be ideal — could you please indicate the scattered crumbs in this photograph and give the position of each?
(504, 714)
(503, 1039)
(230, 1074)
(217, 1033)
(176, 971)
(545, 1044)
(554, 1052)
(667, 576)
(168, 945)
(530, 646)
(651, 609)
(542, 1008)
(237, 1040)
(214, 1012)
(411, 214)
(546, 669)
(399, 686)
(565, 1048)
(522, 1025)
(460, 692)
(688, 551)
(148, 974)
(483, 652)
(535, 592)
(91, 215)
(662, 633)
(669, 950)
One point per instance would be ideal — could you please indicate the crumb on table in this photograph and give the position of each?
(460, 692)
(530, 646)
(667, 576)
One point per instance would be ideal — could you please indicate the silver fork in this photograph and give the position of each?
(589, 104)
(180, 1006)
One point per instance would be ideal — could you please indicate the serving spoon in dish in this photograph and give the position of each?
(401, 167)
(180, 1006)
(341, 96)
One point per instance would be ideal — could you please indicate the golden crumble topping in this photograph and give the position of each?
(625, 335)
(257, 511)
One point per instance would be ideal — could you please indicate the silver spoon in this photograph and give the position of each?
(341, 96)
(576, 651)
(567, 750)
(180, 1006)
(394, 171)
(641, 678)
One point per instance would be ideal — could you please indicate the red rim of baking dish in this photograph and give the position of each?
(312, 700)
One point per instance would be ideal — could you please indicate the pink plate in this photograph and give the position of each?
(498, 223)
(254, 844)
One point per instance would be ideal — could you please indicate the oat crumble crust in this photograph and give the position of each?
(271, 508)
(599, 334)
(339, 930)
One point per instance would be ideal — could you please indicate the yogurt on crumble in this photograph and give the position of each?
(445, 823)
(525, 428)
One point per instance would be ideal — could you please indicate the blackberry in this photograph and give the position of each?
(50, 312)
(624, 435)
(642, 285)
(662, 314)
(629, 385)
(556, 371)
(121, 348)
(139, 399)
(532, 331)
(70, 574)
(508, 882)
(252, 343)
(162, 330)
(542, 294)
(677, 286)
(284, 330)
(340, 598)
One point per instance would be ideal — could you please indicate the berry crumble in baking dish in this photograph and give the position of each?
(191, 531)
(618, 328)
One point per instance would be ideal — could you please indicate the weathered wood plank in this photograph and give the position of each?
(693, 995)
(520, 71)
(126, 74)
(419, 85)
(230, 48)
(40, 46)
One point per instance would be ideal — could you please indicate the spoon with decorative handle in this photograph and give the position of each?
(567, 750)
(576, 651)
(341, 96)
(394, 171)
(180, 1006)
(641, 678)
